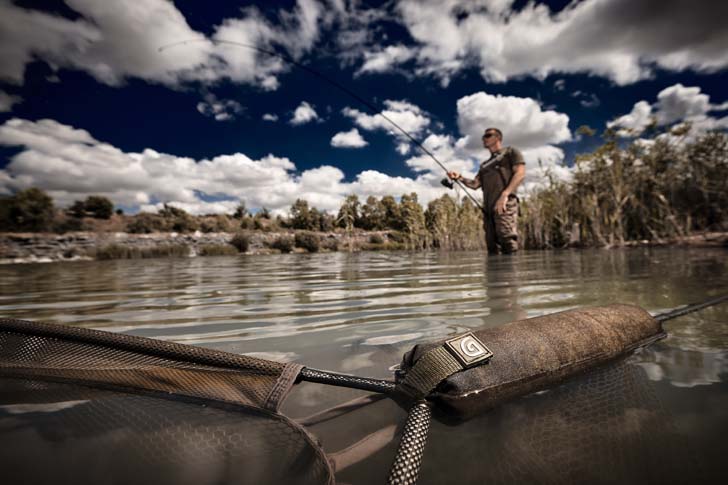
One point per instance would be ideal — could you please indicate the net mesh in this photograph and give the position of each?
(65, 433)
(609, 425)
(83, 406)
(605, 427)
(36, 349)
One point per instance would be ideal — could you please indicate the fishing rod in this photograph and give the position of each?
(447, 181)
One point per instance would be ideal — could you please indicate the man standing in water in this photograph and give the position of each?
(499, 182)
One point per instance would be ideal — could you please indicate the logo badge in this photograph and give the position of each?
(468, 349)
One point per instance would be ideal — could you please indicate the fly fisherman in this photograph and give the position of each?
(499, 182)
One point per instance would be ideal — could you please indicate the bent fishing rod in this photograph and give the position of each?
(447, 181)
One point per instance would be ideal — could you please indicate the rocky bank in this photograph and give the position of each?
(75, 246)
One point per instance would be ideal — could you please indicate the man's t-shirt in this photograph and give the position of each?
(495, 179)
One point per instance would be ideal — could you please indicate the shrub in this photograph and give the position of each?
(330, 244)
(247, 223)
(95, 206)
(217, 250)
(77, 209)
(387, 246)
(216, 223)
(241, 242)
(308, 241)
(241, 211)
(113, 251)
(120, 251)
(166, 250)
(98, 207)
(67, 224)
(28, 210)
(178, 219)
(145, 223)
(185, 223)
(284, 244)
(376, 239)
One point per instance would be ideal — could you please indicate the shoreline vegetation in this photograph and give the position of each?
(667, 189)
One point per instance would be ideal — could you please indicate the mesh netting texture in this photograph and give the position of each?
(65, 433)
(604, 427)
(183, 411)
(34, 349)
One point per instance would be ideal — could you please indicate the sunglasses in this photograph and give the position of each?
(488, 135)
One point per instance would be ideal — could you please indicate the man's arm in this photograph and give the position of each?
(519, 173)
(469, 183)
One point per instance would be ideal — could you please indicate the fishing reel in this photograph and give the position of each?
(447, 182)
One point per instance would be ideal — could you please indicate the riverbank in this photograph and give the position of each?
(77, 246)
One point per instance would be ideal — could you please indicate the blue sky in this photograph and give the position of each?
(90, 105)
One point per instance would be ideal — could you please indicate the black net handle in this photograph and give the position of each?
(343, 380)
(406, 466)
(678, 312)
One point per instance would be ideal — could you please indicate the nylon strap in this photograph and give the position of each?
(433, 367)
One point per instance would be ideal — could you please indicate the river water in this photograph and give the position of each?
(358, 313)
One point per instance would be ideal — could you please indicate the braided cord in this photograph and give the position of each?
(406, 465)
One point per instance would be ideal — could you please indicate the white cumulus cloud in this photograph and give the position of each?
(409, 117)
(114, 41)
(523, 123)
(348, 139)
(636, 120)
(674, 104)
(219, 109)
(618, 39)
(7, 101)
(305, 113)
(385, 59)
(70, 164)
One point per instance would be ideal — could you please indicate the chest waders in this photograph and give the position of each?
(151, 411)
(501, 230)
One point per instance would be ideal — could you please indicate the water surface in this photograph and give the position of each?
(357, 313)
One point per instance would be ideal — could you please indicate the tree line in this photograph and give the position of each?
(664, 187)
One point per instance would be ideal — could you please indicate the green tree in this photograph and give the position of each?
(392, 213)
(77, 209)
(28, 210)
(98, 207)
(441, 221)
(372, 215)
(469, 227)
(178, 219)
(240, 211)
(321, 221)
(301, 215)
(349, 215)
(413, 221)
